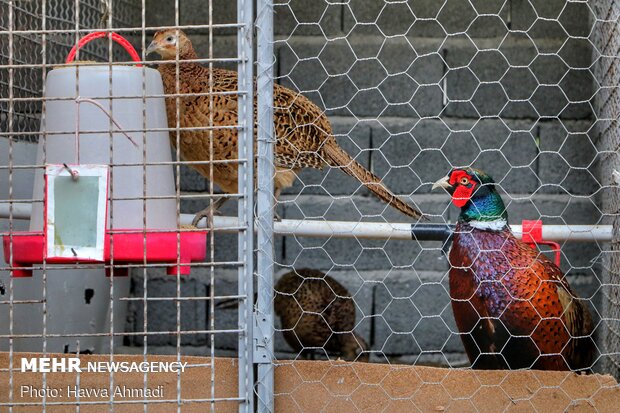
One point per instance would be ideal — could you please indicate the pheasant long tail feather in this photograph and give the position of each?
(337, 157)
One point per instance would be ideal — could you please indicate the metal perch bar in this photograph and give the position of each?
(374, 230)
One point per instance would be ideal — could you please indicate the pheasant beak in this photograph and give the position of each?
(152, 47)
(443, 183)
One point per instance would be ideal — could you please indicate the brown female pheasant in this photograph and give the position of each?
(513, 306)
(318, 311)
(315, 312)
(303, 132)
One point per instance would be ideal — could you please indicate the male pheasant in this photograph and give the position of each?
(304, 137)
(318, 311)
(512, 305)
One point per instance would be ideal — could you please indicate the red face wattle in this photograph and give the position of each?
(464, 187)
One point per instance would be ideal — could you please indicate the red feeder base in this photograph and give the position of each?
(130, 247)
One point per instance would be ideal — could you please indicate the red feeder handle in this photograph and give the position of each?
(532, 235)
(96, 35)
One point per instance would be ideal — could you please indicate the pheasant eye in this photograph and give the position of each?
(464, 181)
(170, 39)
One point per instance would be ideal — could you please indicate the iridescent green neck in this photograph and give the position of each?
(486, 205)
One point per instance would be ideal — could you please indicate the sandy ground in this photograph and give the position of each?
(315, 386)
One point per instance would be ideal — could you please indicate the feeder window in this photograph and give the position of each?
(76, 211)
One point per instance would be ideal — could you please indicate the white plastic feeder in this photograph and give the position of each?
(80, 100)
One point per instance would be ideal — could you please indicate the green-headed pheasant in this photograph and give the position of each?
(317, 311)
(513, 306)
(304, 137)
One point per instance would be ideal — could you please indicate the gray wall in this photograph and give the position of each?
(410, 97)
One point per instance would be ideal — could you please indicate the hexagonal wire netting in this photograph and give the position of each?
(525, 90)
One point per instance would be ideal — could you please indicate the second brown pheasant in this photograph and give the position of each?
(304, 134)
(317, 312)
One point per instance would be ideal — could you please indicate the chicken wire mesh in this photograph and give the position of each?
(606, 104)
(41, 34)
(522, 89)
(109, 110)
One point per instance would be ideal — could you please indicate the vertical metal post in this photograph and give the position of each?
(263, 335)
(245, 242)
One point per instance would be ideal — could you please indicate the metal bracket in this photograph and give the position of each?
(261, 336)
(532, 235)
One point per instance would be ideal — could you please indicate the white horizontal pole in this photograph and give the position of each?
(20, 211)
(572, 233)
(371, 230)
